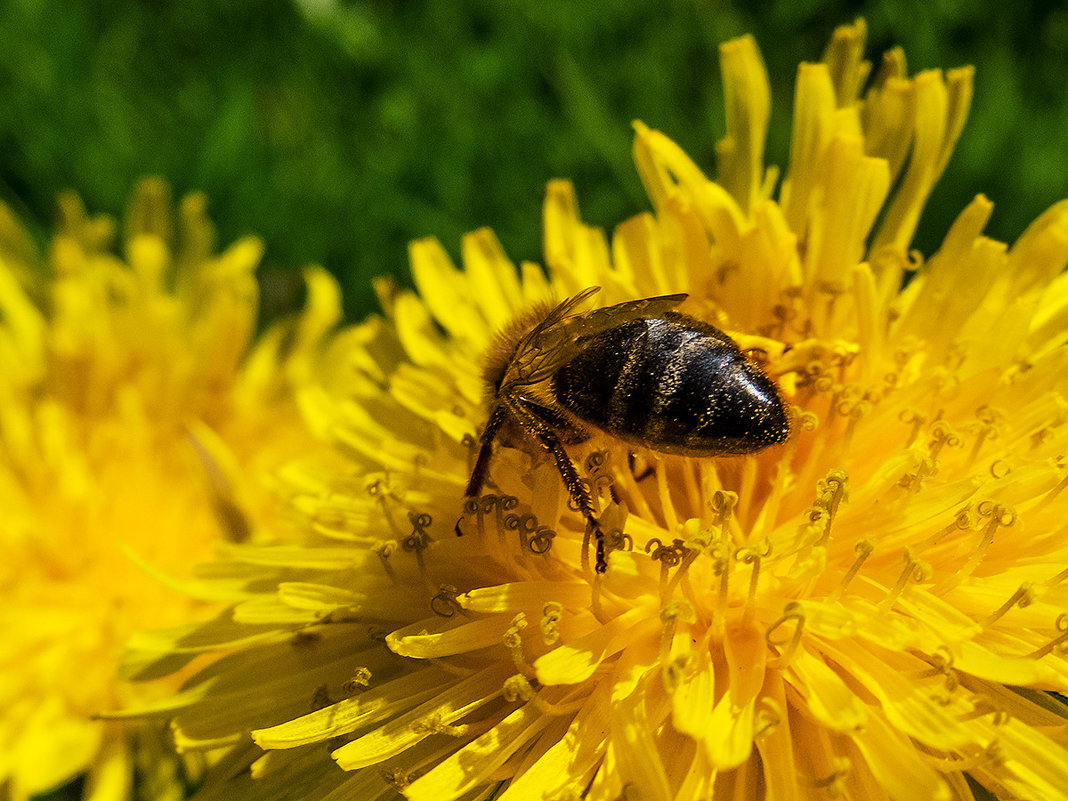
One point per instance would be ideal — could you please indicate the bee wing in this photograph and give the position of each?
(642, 309)
(536, 353)
(555, 341)
(562, 311)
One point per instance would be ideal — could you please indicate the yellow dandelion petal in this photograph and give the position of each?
(446, 292)
(446, 706)
(641, 767)
(871, 608)
(898, 769)
(133, 438)
(473, 764)
(576, 662)
(828, 698)
(387, 700)
(740, 154)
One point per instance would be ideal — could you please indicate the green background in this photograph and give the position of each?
(339, 131)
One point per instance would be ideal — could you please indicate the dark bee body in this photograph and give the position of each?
(637, 371)
(672, 384)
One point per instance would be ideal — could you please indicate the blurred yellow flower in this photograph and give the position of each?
(872, 610)
(140, 421)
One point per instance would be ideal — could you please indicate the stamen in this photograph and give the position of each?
(1051, 496)
(513, 641)
(1056, 579)
(444, 604)
(668, 616)
(471, 507)
(942, 434)
(830, 492)
(721, 566)
(1057, 643)
(533, 537)
(673, 671)
(1000, 468)
(913, 482)
(965, 520)
(1023, 597)
(668, 556)
(688, 555)
(855, 412)
(989, 756)
(991, 421)
(485, 504)
(598, 474)
(436, 724)
(982, 706)
(722, 504)
(616, 540)
(993, 755)
(811, 529)
(418, 540)
(384, 549)
(916, 570)
(997, 516)
(814, 378)
(836, 782)
(863, 550)
(379, 489)
(942, 665)
(560, 709)
(752, 556)
(781, 314)
(398, 777)
(470, 442)
(794, 613)
(517, 688)
(551, 614)
(1042, 436)
(767, 718)
(360, 680)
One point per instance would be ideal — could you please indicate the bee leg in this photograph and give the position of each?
(527, 415)
(485, 452)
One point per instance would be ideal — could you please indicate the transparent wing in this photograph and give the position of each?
(561, 312)
(556, 340)
(536, 349)
(642, 309)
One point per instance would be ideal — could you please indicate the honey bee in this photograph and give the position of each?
(639, 372)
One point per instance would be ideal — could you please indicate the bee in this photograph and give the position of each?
(639, 372)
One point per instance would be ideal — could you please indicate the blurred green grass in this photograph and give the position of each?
(339, 131)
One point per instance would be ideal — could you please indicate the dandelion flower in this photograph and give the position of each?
(138, 413)
(874, 609)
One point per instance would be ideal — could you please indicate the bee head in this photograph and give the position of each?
(502, 350)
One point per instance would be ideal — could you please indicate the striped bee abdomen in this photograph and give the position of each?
(672, 384)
